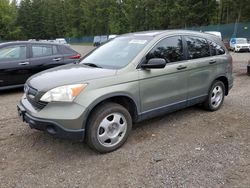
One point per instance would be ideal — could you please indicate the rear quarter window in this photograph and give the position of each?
(66, 50)
(216, 49)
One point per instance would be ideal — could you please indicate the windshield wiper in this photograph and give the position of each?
(92, 65)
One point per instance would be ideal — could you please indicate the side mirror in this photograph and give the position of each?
(154, 63)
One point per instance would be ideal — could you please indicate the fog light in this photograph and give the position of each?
(51, 130)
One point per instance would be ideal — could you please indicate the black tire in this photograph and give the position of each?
(248, 69)
(210, 104)
(94, 129)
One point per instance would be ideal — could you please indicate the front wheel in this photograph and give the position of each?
(215, 97)
(108, 127)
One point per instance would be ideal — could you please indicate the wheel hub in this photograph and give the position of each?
(112, 129)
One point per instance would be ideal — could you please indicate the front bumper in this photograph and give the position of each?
(56, 127)
(242, 49)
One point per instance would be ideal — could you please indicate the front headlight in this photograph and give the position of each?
(63, 93)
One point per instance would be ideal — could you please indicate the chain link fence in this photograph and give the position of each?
(88, 39)
(240, 30)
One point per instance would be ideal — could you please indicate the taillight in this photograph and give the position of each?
(77, 56)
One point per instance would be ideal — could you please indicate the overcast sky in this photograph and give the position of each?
(18, 1)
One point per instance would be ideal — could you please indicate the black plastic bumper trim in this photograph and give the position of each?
(50, 127)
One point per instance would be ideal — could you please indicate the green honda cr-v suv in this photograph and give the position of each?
(129, 79)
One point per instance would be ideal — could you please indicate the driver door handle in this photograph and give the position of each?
(212, 61)
(57, 59)
(181, 67)
(24, 63)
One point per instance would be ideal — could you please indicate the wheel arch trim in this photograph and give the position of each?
(223, 78)
(107, 97)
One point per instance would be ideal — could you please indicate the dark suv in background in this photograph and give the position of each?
(20, 60)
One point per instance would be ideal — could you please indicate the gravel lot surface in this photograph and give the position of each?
(188, 148)
(83, 50)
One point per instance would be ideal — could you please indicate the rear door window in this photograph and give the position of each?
(197, 47)
(55, 50)
(170, 49)
(42, 50)
(11, 53)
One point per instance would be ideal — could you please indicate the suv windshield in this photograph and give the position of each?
(117, 53)
(241, 41)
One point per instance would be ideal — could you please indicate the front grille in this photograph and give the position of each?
(37, 104)
(33, 98)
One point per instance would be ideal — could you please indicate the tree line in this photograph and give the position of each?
(45, 19)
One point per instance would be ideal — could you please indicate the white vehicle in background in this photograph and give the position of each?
(51, 40)
(216, 33)
(32, 40)
(43, 40)
(99, 40)
(61, 41)
(110, 37)
(58, 40)
(239, 44)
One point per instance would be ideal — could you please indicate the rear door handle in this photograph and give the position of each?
(181, 67)
(24, 63)
(57, 59)
(212, 62)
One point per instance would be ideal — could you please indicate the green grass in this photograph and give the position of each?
(83, 43)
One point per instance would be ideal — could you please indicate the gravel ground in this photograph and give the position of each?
(188, 148)
(83, 50)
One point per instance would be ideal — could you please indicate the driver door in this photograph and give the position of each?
(164, 90)
(14, 65)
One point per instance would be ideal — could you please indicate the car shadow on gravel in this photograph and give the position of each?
(41, 141)
(48, 146)
(152, 128)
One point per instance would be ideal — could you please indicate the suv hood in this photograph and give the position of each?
(66, 75)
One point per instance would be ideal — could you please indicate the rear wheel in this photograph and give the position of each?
(108, 127)
(215, 97)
